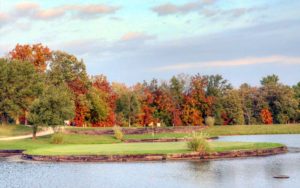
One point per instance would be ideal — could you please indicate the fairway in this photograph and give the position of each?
(142, 148)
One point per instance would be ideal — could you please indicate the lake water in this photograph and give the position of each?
(247, 172)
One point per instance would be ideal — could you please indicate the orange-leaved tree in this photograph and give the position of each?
(266, 116)
(37, 54)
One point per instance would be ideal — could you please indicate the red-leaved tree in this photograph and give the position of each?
(266, 116)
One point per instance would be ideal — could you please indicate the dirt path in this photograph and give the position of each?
(41, 133)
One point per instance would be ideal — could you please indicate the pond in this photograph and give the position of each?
(247, 172)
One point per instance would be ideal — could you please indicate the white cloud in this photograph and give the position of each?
(136, 36)
(170, 8)
(35, 11)
(275, 59)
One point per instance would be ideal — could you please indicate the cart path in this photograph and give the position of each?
(41, 133)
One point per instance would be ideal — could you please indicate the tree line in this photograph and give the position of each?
(43, 87)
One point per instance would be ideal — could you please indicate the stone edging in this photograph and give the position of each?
(157, 157)
(145, 130)
(163, 140)
(7, 153)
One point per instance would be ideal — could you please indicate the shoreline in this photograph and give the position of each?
(150, 157)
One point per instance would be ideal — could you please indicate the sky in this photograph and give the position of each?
(132, 40)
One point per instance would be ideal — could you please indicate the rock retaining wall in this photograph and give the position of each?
(7, 153)
(146, 130)
(158, 157)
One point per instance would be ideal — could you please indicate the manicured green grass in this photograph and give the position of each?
(75, 144)
(14, 130)
(218, 131)
(229, 146)
(68, 140)
(142, 148)
(228, 130)
(253, 129)
(156, 136)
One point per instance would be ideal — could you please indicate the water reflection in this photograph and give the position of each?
(250, 172)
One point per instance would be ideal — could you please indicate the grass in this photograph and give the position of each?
(142, 148)
(155, 136)
(73, 139)
(228, 130)
(14, 130)
(78, 144)
(252, 129)
(75, 144)
(216, 131)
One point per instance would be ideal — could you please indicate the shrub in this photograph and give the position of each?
(57, 138)
(210, 121)
(198, 143)
(118, 133)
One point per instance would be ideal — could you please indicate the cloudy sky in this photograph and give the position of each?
(135, 40)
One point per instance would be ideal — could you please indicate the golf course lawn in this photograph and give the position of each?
(79, 144)
(90, 145)
(45, 141)
(228, 130)
(143, 148)
(14, 130)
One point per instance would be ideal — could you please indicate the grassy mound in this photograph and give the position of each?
(143, 148)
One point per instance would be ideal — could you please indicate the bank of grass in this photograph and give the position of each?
(143, 148)
(14, 130)
(213, 131)
(156, 136)
(228, 130)
(253, 129)
(45, 141)
(76, 144)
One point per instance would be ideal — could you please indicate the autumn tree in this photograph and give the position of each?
(266, 116)
(147, 110)
(280, 99)
(37, 54)
(177, 86)
(216, 87)
(252, 103)
(196, 104)
(100, 83)
(66, 68)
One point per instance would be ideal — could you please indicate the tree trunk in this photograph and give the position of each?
(34, 130)
(17, 120)
(3, 119)
(26, 114)
(129, 123)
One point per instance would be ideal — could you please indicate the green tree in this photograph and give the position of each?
(232, 107)
(297, 96)
(4, 85)
(21, 84)
(98, 107)
(51, 108)
(65, 68)
(252, 103)
(216, 87)
(270, 79)
(128, 105)
(280, 99)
